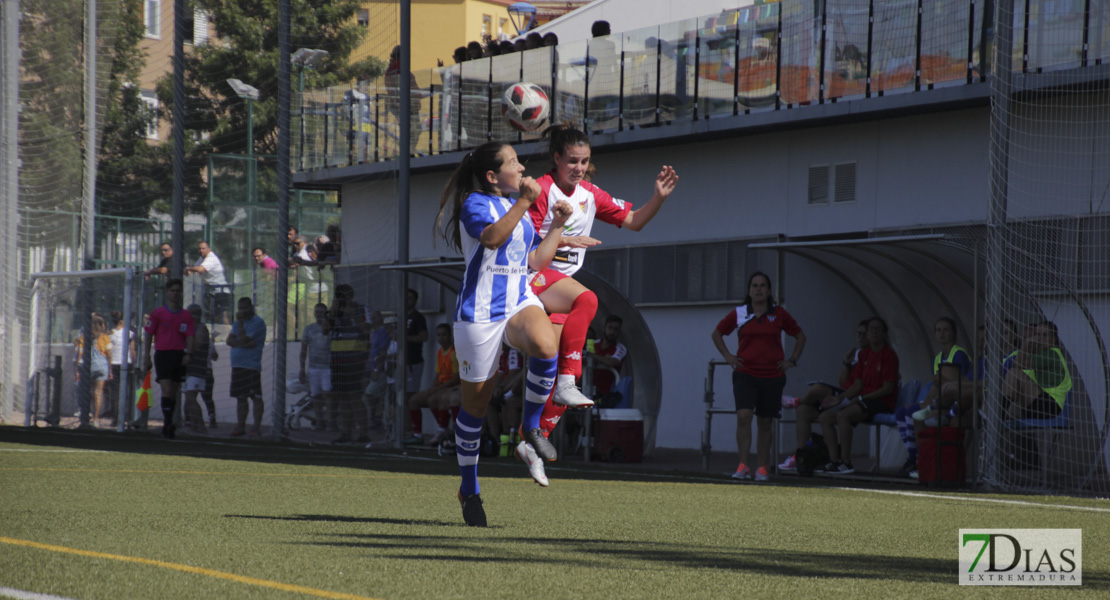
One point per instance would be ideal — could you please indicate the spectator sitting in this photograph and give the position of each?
(600, 29)
(950, 365)
(1037, 379)
(163, 267)
(503, 414)
(444, 396)
(506, 47)
(460, 55)
(533, 41)
(608, 354)
(215, 284)
(550, 39)
(809, 402)
(874, 390)
(520, 45)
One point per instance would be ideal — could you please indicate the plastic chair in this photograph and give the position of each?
(909, 392)
(1046, 430)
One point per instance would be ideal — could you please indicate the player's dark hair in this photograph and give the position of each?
(951, 323)
(562, 137)
(614, 319)
(260, 249)
(470, 176)
(770, 288)
(172, 282)
(117, 316)
(444, 326)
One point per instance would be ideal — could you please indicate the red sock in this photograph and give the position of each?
(417, 416)
(441, 417)
(573, 338)
(550, 416)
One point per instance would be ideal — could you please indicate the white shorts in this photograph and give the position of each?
(193, 384)
(319, 380)
(478, 345)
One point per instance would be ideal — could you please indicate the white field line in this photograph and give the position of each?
(22, 595)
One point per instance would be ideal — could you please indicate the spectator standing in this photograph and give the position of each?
(247, 339)
(759, 368)
(808, 404)
(163, 267)
(609, 353)
(874, 391)
(349, 353)
(100, 369)
(170, 329)
(379, 369)
(196, 372)
(316, 362)
(211, 269)
(416, 333)
(269, 265)
(114, 378)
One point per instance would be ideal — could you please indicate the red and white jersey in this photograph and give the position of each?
(603, 378)
(588, 202)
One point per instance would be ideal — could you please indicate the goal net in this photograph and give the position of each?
(78, 361)
(1045, 406)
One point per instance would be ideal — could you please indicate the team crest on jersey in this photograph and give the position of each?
(771, 318)
(515, 251)
(539, 281)
(465, 367)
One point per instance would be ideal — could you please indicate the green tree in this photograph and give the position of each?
(247, 49)
(130, 176)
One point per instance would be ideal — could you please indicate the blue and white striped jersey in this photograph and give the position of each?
(495, 281)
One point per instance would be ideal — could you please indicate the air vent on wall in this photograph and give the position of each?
(819, 184)
(844, 182)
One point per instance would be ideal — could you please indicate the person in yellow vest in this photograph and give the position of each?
(952, 373)
(1037, 383)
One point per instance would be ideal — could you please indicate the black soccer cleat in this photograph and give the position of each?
(473, 513)
(539, 443)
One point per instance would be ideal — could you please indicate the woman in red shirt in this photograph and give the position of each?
(759, 368)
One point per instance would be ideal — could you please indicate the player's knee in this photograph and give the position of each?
(585, 302)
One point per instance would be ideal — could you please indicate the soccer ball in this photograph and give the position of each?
(525, 106)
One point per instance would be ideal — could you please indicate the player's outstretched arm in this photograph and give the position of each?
(665, 183)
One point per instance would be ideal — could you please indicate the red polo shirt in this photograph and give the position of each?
(875, 368)
(760, 339)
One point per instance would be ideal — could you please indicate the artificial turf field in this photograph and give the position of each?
(89, 516)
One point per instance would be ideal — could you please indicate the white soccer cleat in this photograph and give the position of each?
(535, 464)
(568, 394)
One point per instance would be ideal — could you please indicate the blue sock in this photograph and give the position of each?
(468, 432)
(541, 378)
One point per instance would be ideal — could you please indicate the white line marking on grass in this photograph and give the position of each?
(22, 595)
(973, 499)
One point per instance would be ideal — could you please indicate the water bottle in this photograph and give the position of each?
(789, 402)
(504, 450)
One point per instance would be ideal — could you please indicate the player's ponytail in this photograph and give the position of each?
(561, 137)
(469, 177)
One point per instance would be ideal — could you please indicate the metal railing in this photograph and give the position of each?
(767, 57)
